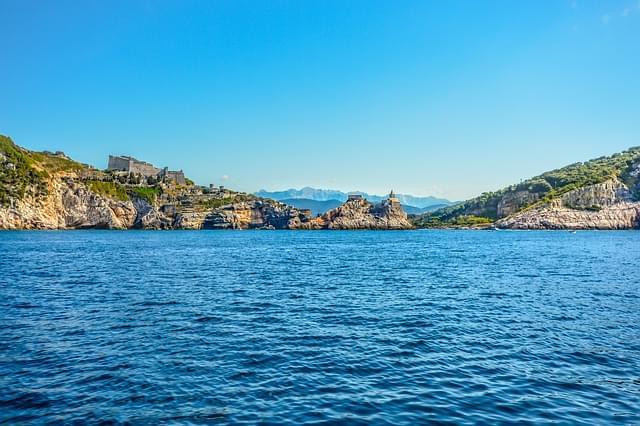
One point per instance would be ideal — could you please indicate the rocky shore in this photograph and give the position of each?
(51, 191)
(43, 190)
(70, 204)
(603, 193)
(608, 205)
(361, 214)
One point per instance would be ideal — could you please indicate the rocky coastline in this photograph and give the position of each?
(51, 191)
(43, 190)
(609, 205)
(600, 194)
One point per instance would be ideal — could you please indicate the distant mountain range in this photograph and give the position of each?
(316, 207)
(321, 207)
(410, 202)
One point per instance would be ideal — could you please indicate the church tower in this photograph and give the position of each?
(392, 198)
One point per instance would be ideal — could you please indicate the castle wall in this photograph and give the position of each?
(118, 163)
(176, 176)
(144, 169)
(128, 164)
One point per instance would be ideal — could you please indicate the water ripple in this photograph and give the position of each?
(319, 327)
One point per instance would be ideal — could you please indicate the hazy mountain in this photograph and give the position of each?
(316, 207)
(331, 194)
(418, 210)
(320, 207)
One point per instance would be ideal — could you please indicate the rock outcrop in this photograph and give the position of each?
(51, 191)
(256, 214)
(361, 214)
(603, 193)
(70, 204)
(67, 205)
(608, 205)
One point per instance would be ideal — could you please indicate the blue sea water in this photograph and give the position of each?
(319, 327)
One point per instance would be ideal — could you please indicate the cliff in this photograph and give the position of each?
(599, 194)
(51, 191)
(608, 205)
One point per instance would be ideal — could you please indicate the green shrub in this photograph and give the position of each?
(547, 186)
(214, 203)
(18, 173)
(53, 163)
(471, 220)
(108, 189)
(148, 194)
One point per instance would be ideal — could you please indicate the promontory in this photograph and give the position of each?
(48, 190)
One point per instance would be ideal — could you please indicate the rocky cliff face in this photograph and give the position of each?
(606, 194)
(361, 214)
(67, 205)
(255, 214)
(41, 191)
(512, 202)
(70, 204)
(602, 193)
(608, 205)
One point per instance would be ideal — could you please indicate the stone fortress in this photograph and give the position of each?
(132, 165)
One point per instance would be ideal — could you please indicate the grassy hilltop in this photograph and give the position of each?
(23, 170)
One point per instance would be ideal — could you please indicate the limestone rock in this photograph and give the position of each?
(80, 198)
(512, 202)
(361, 214)
(67, 205)
(608, 205)
(148, 217)
(255, 214)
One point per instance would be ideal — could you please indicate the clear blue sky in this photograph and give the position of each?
(425, 97)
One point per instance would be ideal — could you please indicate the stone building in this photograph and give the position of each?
(392, 198)
(131, 165)
(176, 176)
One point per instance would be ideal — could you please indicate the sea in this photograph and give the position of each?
(319, 327)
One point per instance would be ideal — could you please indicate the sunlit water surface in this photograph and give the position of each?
(293, 327)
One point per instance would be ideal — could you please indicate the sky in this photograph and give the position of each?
(426, 97)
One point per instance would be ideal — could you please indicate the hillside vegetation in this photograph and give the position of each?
(537, 190)
(22, 170)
